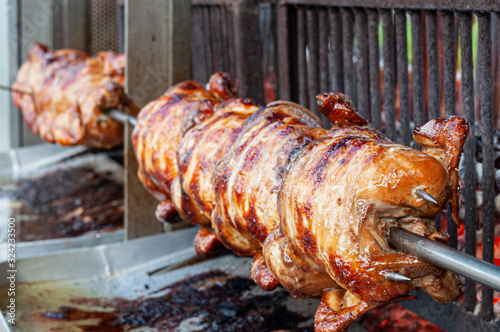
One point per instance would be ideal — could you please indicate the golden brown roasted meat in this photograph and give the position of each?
(311, 206)
(63, 95)
(248, 178)
(160, 127)
(198, 153)
(340, 195)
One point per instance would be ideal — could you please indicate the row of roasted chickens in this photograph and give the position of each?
(311, 205)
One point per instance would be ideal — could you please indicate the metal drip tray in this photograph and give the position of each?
(122, 286)
(71, 204)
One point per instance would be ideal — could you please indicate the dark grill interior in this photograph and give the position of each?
(308, 47)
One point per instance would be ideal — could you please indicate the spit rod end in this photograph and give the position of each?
(425, 196)
(396, 276)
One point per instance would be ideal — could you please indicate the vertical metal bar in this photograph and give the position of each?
(363, 92)
(198, 47)
(283, 54)
(433, 86)
(347, 44)
(206, 39)
(323, 55)
(449, 72)
(215, 27)
(179, 41)
(230, 40)
(323, 48)
(312, 61)
(402, 61)
(301, 56)
(29, 12)
(431, 32)
(389, 76)
(224, 44)
(10, 36)
(335, 54)
(75, 25)
(268, 48)
(146, 28)
(469, 150)
(374, 59)
(496, 80)
(211, 27)
(273, 70)
(418, 68)
(248, 49)
(487, 130)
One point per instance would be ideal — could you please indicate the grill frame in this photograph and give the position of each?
(398, 72)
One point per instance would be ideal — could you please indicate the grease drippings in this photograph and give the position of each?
(65, 203)
(211, 301)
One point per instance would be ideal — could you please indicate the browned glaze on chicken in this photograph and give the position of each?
(162, 123)
(200, 150)
(339, 196)
(64, 93)
(248, 178)
(311, 206)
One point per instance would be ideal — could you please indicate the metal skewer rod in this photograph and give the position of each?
(446, 257)
(121, 117)
(113, 113)
(431, 251)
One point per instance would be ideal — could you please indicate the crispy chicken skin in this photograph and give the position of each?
(311, 206)
(200, 150)
(64, 93)
(162, 123)
(248, 178)
(340, 195)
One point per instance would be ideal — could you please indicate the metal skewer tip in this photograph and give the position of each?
(121, 117)
(425, 196)
(396, 276)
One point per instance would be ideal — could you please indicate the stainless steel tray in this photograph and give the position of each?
(34, 167)
(125, 271)
(23, 160)
(120, 269)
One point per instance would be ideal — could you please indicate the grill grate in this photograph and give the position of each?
(404, 93)
(103, 27)
(226, 37)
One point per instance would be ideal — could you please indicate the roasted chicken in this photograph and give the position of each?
(311, 206)
(340, 195)
(63, 96)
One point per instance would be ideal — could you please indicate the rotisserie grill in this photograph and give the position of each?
(346, 153)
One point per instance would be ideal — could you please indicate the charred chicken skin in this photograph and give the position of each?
(161, 125)
(200, 150)
(311, 206)
(63, 96)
